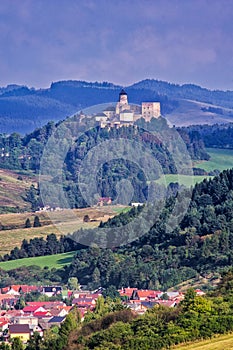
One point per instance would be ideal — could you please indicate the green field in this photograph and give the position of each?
(220, 159)
(218, 343)
(185, 180)
(52, 261)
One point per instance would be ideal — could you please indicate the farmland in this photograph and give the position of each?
(60, 223)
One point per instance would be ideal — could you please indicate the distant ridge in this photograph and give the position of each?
(22, 108)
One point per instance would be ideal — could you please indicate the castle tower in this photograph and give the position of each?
(123, 102)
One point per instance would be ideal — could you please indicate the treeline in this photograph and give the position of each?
(41, 247)
(213, 136)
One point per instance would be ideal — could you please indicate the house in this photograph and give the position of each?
(25, 289)
(58, 312)
(56, 321)
(37, 329)
(30, 310)
(21, 331)
(104, 201)
(4, 324)
(141, 294)
(199, 292)
(42, 314)
(30, 320)
(51, 291)
(126, 293)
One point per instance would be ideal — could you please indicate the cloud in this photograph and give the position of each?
(124, 41)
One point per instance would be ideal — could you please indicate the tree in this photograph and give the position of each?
(111, 292)
(17, 344)
(73, 283)
(28, 223)
(34, 342)
(4, 346)
(20, 303)
(36, 221)
(86, 218)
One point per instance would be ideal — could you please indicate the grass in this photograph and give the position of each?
(185, 180)
(220, 159)
(218, 343)
(51, 261)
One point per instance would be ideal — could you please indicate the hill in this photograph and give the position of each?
(22, 109)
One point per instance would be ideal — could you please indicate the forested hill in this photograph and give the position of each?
(22, 109)
(214, 136)
(24, 153)
(187, 91)
(202, 244)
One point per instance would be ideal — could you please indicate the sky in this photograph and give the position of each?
(124, 41)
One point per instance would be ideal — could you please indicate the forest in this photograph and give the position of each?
(24, 154)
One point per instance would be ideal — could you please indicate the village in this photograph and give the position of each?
(23, 319)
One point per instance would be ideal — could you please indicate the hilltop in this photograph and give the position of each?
(23, 109)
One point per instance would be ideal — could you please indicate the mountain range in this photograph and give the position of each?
(22, 109)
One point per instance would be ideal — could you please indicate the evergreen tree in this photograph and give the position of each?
(36, 221)
(28, 223)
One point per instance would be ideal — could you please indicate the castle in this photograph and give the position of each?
(125, 114)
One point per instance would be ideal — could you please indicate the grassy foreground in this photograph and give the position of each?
(51, 261)
(224, 342)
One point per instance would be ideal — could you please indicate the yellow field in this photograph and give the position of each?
(60, 223)
(224, 342)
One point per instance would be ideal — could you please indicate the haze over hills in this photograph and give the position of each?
(23, 109)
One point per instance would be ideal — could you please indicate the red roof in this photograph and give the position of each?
(144, 293)
(28, 309)
(45, 303)
(28, 289)
(16, 287)
(42, 314)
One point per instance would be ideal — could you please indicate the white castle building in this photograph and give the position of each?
(126, 114)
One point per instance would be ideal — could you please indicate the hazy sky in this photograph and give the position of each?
(124, 41)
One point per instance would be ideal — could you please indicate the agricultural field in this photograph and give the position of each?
(58, 222)
(220, 159)
(51, 261)
(218, 343)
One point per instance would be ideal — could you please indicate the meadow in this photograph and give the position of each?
(218, 343)
(220, 159)
(51, 261)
